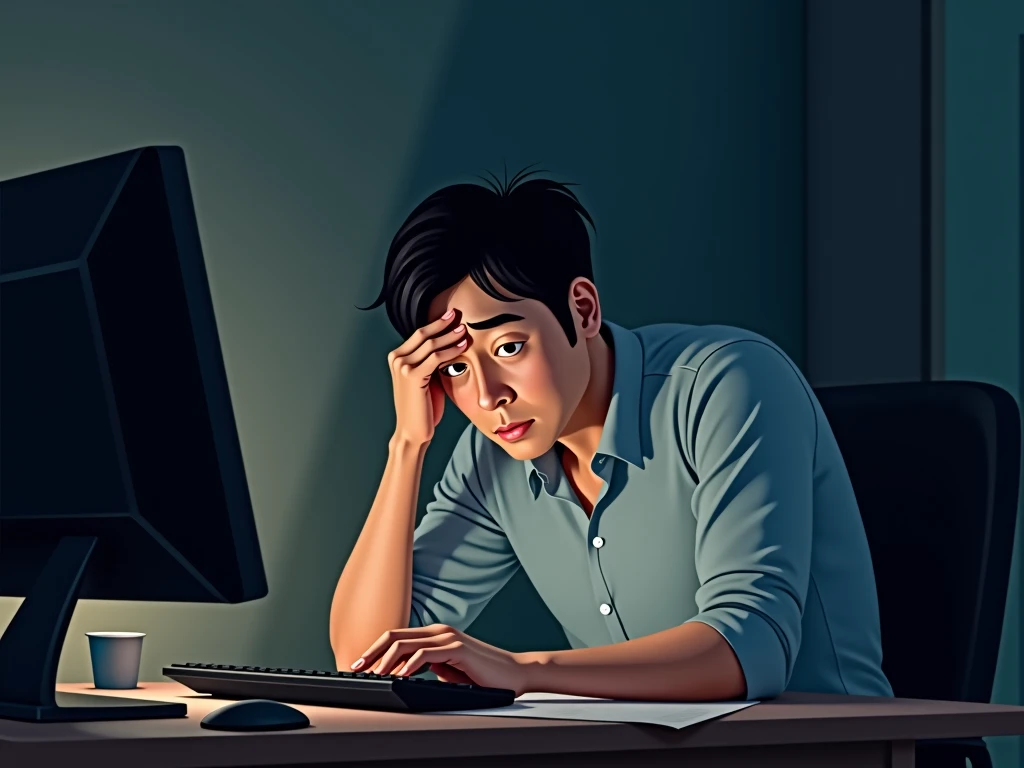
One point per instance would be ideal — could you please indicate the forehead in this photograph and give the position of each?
(474, 304)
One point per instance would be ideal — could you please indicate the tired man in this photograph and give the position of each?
(673, 492)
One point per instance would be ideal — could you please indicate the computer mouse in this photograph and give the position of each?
(255, 715)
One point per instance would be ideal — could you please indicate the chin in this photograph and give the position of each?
(524, 452)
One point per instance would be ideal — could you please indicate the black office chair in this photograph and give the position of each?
(936, 467)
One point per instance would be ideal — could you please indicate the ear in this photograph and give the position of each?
(586, 306)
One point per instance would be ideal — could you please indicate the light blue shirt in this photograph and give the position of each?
(725, 501)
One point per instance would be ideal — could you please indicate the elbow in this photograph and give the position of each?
(339, 647)
(765, 651)
(343, 647)
(335, 643)
(341, 654)
(345, 656)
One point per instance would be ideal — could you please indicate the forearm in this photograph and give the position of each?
(374, 592)
(691, 662)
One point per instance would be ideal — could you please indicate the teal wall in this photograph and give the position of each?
(311, 129)
(983, 256)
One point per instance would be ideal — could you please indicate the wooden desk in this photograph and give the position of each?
(794, 731)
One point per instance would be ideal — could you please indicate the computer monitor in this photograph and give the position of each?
(121, 474)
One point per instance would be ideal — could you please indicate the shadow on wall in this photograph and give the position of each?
(682, 124)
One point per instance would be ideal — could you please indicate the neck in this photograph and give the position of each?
(582, 434)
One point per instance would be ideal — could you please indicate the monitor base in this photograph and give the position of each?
(84, 707)
(30, 649)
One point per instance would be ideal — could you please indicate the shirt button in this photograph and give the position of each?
(598, 542)
(605, 609)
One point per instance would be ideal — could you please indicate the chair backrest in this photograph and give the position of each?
(935, 467)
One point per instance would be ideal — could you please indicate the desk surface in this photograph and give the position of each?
(345, 735)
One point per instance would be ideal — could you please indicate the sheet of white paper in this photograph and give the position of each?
(557, 706)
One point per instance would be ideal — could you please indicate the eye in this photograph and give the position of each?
(510, 348)
(452, 369)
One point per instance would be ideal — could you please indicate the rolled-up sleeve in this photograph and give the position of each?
(461, 557)
(750, 428)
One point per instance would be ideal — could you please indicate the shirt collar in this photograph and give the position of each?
(620, 436)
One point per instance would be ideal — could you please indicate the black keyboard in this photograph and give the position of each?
(356, 690)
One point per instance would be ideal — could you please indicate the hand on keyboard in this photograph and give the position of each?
(452, 655)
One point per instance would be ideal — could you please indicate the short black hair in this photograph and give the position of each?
(528, 235)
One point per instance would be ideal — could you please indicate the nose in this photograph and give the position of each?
(493, 393)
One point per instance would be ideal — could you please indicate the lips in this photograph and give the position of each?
(513, 431)
(510, 427)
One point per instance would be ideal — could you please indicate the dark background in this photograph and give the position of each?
(842, 177)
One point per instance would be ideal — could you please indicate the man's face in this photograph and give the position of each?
(521, 371)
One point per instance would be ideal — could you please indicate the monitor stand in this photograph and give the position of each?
(30, 649)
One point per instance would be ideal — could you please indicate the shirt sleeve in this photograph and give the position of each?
(461, 557)
(750, 427)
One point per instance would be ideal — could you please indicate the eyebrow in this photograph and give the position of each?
(494, 322)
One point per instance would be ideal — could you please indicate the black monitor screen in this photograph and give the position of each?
(115, 414)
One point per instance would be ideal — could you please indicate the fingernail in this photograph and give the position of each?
(461, 343)
(459, 328)
(358, 663)
(449, 314)
(403, 671)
